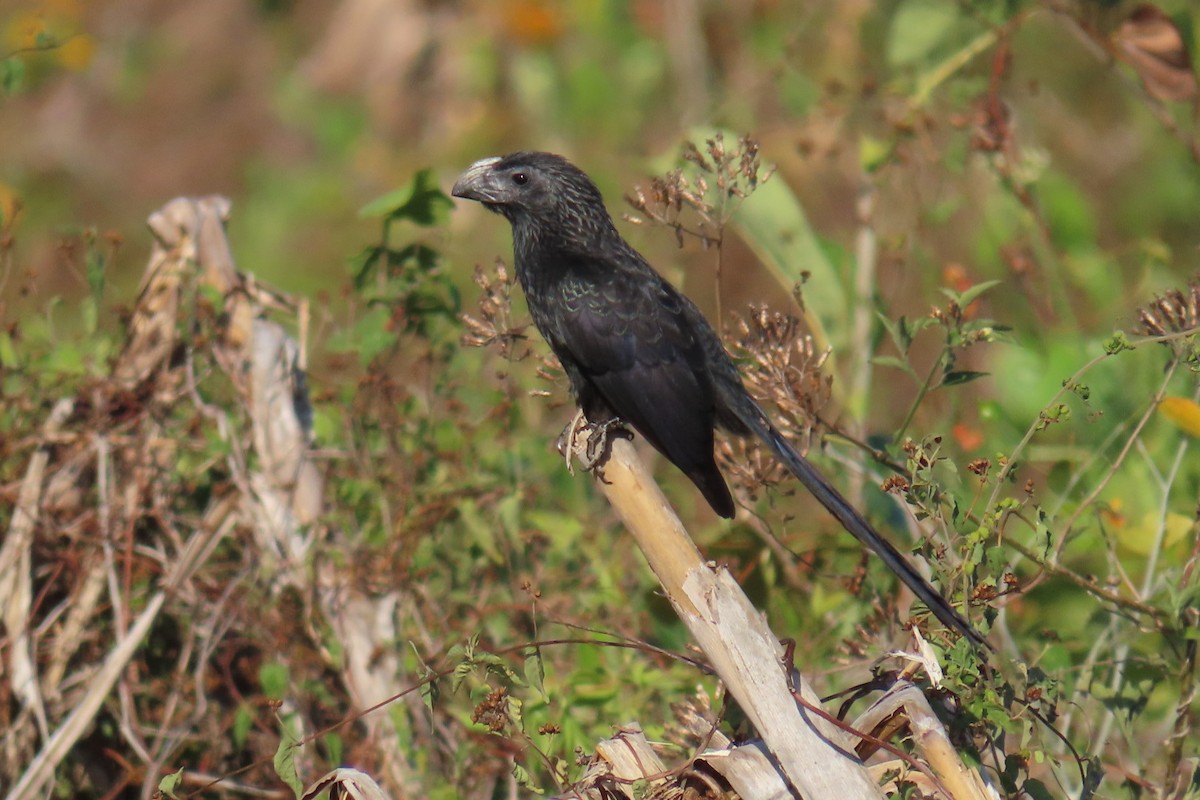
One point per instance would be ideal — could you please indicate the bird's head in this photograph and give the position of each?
(538, 190)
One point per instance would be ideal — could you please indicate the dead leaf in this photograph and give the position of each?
(1150, 42)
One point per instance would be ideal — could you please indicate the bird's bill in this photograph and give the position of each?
(478, 182)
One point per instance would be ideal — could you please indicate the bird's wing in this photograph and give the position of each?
(631, 339)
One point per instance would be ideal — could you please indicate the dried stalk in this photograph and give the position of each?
(813, 755)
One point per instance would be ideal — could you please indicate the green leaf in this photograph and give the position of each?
(957, 377)
(1037, 790)
(967, 297)
(285, 759)
(462, 671)
(515, 708)
(12, 74)
(274, 680)
(421, 201)
(896, 330)
(430, 693)
(169, 782)
(898, 363)
(521, 776)
(773, 223)
(535, 673)
(914, 326)
(386, 204)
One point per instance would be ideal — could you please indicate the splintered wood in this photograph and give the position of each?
(106, 463)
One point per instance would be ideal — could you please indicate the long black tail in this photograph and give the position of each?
(853, 521)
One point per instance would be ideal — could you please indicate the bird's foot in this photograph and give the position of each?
(589, 441)
(599, 441)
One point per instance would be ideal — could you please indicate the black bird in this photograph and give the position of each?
(637, 350)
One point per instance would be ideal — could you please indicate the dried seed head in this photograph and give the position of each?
(699, 199)
(782, 366)
(1177, 311)
(980, 466)
(493, 327)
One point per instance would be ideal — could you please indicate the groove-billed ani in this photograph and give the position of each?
(637, 350)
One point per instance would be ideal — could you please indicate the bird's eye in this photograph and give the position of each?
(520, 178)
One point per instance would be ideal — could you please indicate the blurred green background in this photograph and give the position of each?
(302, 112)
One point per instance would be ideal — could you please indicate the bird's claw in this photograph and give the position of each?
(597, 439)
(568, 440)
(599, 442)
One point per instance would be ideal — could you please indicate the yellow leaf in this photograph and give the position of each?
(76, 52)
(1139, 538)
(10, 206)
(1183, 412)
(22, 30)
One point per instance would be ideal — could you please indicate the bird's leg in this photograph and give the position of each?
(598, 437)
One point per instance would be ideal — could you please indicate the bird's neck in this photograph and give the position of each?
(579, 235)
(542, 251)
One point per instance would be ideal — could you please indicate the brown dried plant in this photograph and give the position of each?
(781, 366)
(1175, 316)
(494, 327)
(1177, 311)
(711, 190)
(780, 363)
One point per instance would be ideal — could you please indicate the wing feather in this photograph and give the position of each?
(631, 340)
